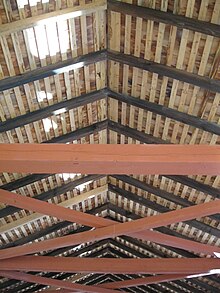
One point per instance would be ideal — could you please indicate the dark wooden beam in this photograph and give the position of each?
(51, 110)
(170, 197)
(136, 198)
(117, 246)
(74, 135)
(180, 21)
(167, 112)
(92, 280)
(24, 181)
(196, 185)
(165, 70)
(50, 70)
(79, 133)
(135, 134)
(149, 139)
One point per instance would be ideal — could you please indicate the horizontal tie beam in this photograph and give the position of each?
(110, 159)
(109, 265)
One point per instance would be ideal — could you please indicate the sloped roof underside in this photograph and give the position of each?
(83, 72)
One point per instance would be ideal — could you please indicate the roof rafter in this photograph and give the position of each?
(50, 70)
(155, 206)
(167, 112)
(101, 94)
(165, 70)
(115, 278)
(50, 110)
(180, 21)
(143, 281)
(159, 192)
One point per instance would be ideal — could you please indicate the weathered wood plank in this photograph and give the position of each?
(54, 16)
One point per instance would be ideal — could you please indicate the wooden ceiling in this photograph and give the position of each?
(128, 72)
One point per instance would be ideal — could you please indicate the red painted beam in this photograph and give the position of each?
(58, 291)
(55, 283)
(63, 213)
(126, 228)
(108, 265)
(45, 208)
(110, 159)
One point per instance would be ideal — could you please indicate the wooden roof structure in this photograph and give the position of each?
(116, 72)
